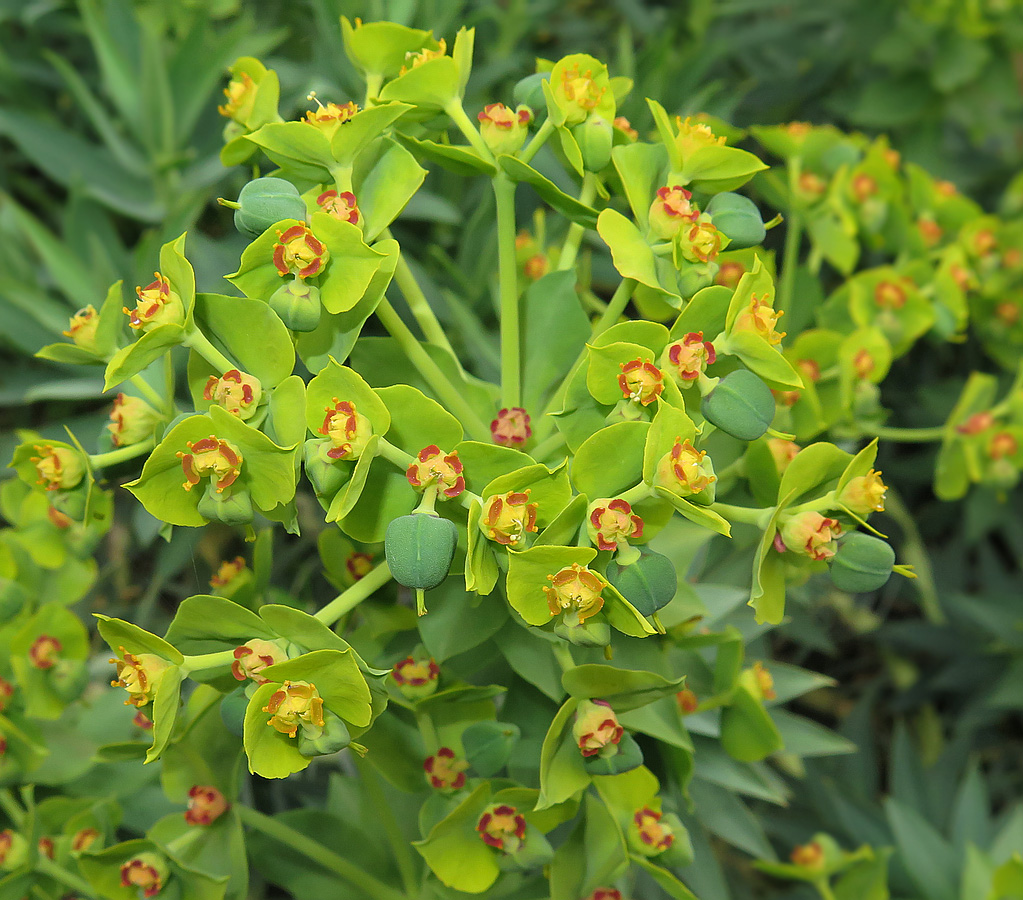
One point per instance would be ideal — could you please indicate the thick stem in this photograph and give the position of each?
(202, 661)
(904, 435)
(198, 342)
(793, 241)
(11, 807)
(328, 859)
(426, 367)
(47, 867)
(465, 125)
(547, 447)
(539, 139)
(574, 238)
(112, 457)
(149, 393)
(347, 600)
(511, 373)
(744, 514)
(433, 331)
(563, 654)
(637, 494)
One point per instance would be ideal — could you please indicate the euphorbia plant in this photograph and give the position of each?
(536, 709)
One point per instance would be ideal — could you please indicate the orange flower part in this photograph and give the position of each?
(730, 273)
(83, 839)
(689, 358)
(701, 242)
(341, 206)
(863, 187)
(296, 703)
(811, 185)
(582, 91)
(946, 188)
(864, 494)
(684, 469)
(641, 381)
(984, 242)
(157, 305)
(6, 692)
(811, 534)
(613, 521)
(241, 97)
(508, 517)
(415, 58)
(205, 805)
(764, 681)
(892, 157)
(253, 656)
(502, 826)
(808, 856)
(863, 363)
(760, 318)
(1002, 445)
(596, 729)
(445, 771)
(504, 130)
(46, 847)
(576, 592)
(141, 720)
(82, 328)
(59, 519)
(359, 565)
(625, 127)
(58, 468)
(235, 391)
(298, 251)
(347, 430)
(147, 872)
(977, 423)
(651, 831)
(330, 117)
(131, 420)
(219, 459)
(434, 467)
(511, 428)
(798, 130)
(227, 572)
(1008, 313)
(889, 295)
(929, 230)
(605, 894)
(412, 672)
(43, 654)
(499, 116)
(694, 135)
(138, 674)
(671, 209)
(687, 701)
(536, 266)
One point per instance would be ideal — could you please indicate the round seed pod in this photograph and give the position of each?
(419, 549)
(649, 584)
(741, 405)
(529, 91)
(862, 563)
(738, 218)
(298, 305)
(265, 201)
(628, 757)
(595, 137)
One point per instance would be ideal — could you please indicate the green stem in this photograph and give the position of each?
(348, 599)
(149, 392)
(202, 661)
(342, 176)
(744, 514)
(328, 859)
(637, 494)
(399, 844)
(547, 447)
(824, 889)
(198, 342)
(426, 367)
(904, 435)
(373, 83)
(539, 139)
(563, 654)
(511, 372)
(793, 241)
(112, 457)
(574, 238)
(464, 124)
(433, 331)
(915, 550)
(168, 384)
(47, 867)
(10, 805)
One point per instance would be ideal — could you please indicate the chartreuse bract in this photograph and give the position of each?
(548, 524)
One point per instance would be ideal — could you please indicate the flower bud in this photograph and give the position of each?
(760, 318)
(58, 468)
(157, 305)
(624, 126)
(295, 705)
(730, 274)
(299, 252)
(641, 381)
(44, 652)
(237, 392)
(434, 467)
(687, 701)
(596, 729)
(347, 431)
(503, 130)
(864, 494)
(701, 241)
(502, 827)
(611, 523)
(328, 118)
(139, 674)
(648, 833)
(297, 304)
(131, 420)
(808, 856)
(740, 404)
(13, 850)
(862, 563)
(147, 872)
(511, 427)
(783, 452)
(684, 470)
(82, 328)
(253, 656)
(575, 593)
(205, 805)
(672, 210)
(340, 206)
(84, 838)
(738, 219)
(6, 693)
(445, 771)
(266, 201)
(416, 677)
(508, 517)
(810, 534)
(687, 359)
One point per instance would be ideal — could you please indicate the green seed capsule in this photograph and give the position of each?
(298, 305)
(419, 549)
(529, 91)
(738, 218)
(266, 201)
(740, 405)
(862, 563)
(649, 584)
(628, 757)
(595, 137)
